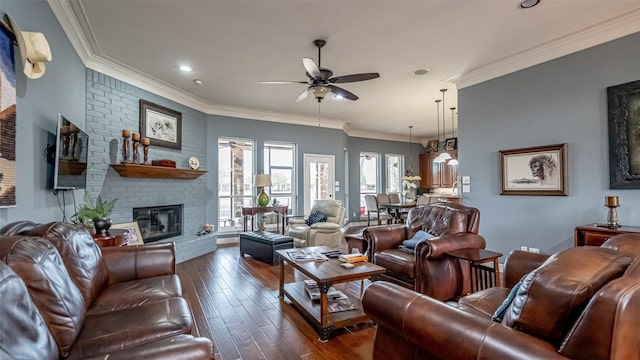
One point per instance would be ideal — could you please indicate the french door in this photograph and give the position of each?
(319, 178)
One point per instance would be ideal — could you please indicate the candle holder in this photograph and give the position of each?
(136, 142)
(612, 217)
(145, 151)
(126, 135)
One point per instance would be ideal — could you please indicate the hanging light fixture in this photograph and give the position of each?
(408, 174)
(452, 162)
(444, 156)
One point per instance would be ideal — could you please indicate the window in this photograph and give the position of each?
(235, 180)
(368, 177)
(394, 165)
(278, 162)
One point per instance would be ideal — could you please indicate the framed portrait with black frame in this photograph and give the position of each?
(623, 102)
(161, 125)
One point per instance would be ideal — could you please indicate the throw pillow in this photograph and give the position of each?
(417, 237)
(502, 309)
(316, 217)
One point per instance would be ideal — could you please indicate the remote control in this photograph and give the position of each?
(347, 265)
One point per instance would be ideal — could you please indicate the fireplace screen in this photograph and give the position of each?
(159, 222)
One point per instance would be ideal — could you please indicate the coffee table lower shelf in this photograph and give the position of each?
(311, 310)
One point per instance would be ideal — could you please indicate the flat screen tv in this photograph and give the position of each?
(67, 158)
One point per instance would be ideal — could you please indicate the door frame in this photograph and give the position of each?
(308, 158)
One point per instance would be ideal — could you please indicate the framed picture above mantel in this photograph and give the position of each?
(539, 170)
(623, 103)
(161, 125)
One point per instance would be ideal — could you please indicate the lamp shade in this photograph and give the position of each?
(262, 180)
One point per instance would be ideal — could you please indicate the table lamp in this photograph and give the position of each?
(260, 181)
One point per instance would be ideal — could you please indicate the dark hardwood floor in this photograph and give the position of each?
(235, 303)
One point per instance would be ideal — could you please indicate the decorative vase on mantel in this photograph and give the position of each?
(101, 225)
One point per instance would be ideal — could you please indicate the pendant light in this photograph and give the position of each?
(438, 158)
(408, 174)
(444, 156)
(452, 162)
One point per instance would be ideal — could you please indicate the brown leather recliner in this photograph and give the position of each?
(429, 270)
(581, 303)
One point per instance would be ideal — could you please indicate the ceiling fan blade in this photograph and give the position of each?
(338, 91)
(311, 67)
(354, 78)
(283, 82)
(302, 96)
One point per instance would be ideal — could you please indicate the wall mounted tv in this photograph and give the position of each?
(67, 157)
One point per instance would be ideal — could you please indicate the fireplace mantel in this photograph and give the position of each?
(156, 172)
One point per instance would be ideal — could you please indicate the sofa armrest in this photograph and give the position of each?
(383, 237)
(418, 324)
(520, 263)
(125, 263)
(437, 247)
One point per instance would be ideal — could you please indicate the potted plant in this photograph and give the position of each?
(95, 213)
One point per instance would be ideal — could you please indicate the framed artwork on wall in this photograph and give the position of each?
(161, 125)
(451, 144)
(432, 146)
(623, 102)
(539, 170)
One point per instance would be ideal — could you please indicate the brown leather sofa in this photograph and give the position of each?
(580, 303)
(73, 300)
(429, 270)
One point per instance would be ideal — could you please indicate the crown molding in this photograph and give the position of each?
(72, 18)
(613, 28)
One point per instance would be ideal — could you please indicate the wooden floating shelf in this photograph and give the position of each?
(155, 172)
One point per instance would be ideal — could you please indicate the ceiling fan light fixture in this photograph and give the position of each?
(319, 91)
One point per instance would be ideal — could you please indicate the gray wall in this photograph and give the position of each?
(60, 91)
(561, 101)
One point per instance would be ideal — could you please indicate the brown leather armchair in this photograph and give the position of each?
(429, 270)
(581, 303)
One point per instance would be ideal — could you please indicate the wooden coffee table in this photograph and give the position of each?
(326, 273)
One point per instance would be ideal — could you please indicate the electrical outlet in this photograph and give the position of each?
(534, 250)
(524, 248)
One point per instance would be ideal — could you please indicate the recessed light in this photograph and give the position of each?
(527, 4)
(185, 68)
(421, 71)
(198, 81)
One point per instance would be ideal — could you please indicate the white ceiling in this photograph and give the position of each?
(231, 45)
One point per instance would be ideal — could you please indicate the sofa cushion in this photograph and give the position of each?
(553, 295)
(315, 217)
(58, 300)
(118, 330)
(396, 261)
(82, 257)
(23, 332)
(484, 302)
(136, 292)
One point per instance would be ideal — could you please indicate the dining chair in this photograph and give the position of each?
(401, 215)
(373, 210)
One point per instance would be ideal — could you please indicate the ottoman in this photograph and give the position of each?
(262, 245)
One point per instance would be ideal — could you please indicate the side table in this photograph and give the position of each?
(114, 237)
(482, 277)
(597, 234)
(249, 212)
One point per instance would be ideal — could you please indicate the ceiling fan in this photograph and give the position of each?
(321, 81)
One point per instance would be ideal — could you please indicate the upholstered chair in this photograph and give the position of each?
(326, 233)
(426, 267)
